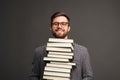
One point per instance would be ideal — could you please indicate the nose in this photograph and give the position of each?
(59, 25)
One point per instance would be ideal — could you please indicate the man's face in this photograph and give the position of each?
(60, 27)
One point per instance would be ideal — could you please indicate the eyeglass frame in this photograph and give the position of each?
(60, 23)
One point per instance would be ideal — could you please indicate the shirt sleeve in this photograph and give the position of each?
(35, 73)
(86, 68)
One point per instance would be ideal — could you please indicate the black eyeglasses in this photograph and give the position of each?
(60, 23)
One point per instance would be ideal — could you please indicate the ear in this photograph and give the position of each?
(69, 28)
(50, 28)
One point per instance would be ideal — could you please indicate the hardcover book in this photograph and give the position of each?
(60, 40)
(56, 69)
(55, 59)
(59, 65)
(59, 74)
(68, 45)
(55, 78)
(60, 56)
(61, 49)
(64, 63)
(58, 60)
(61, 53)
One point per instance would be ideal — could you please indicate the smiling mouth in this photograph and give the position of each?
(59, 33)
(59, 30)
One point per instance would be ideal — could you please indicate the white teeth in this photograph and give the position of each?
(59, 30)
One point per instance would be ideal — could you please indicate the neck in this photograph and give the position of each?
(66, 37)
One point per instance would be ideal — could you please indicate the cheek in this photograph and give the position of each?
(52, 28)
(68, 29)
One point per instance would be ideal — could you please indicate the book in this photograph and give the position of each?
(58, 49)
(61, 53)
(55, 78)
(55, 59)
(59, 65)
(60, 45)
(64, 63)
(60, 56)
(59, 74)
(60, 40)
(56, 69)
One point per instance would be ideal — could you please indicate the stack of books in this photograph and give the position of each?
(59, 57)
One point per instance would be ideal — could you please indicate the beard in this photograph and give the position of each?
(58, 34)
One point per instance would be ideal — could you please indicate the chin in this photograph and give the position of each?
(59, 36)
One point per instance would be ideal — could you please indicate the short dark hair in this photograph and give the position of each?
(57, 14)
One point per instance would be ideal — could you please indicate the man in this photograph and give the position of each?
(60, 27)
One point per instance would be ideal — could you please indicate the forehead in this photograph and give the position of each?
(60, 19)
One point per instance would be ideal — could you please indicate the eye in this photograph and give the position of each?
(55, 23)
(60, 23)
(64, 23)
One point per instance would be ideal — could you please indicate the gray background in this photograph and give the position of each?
(24, 25)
